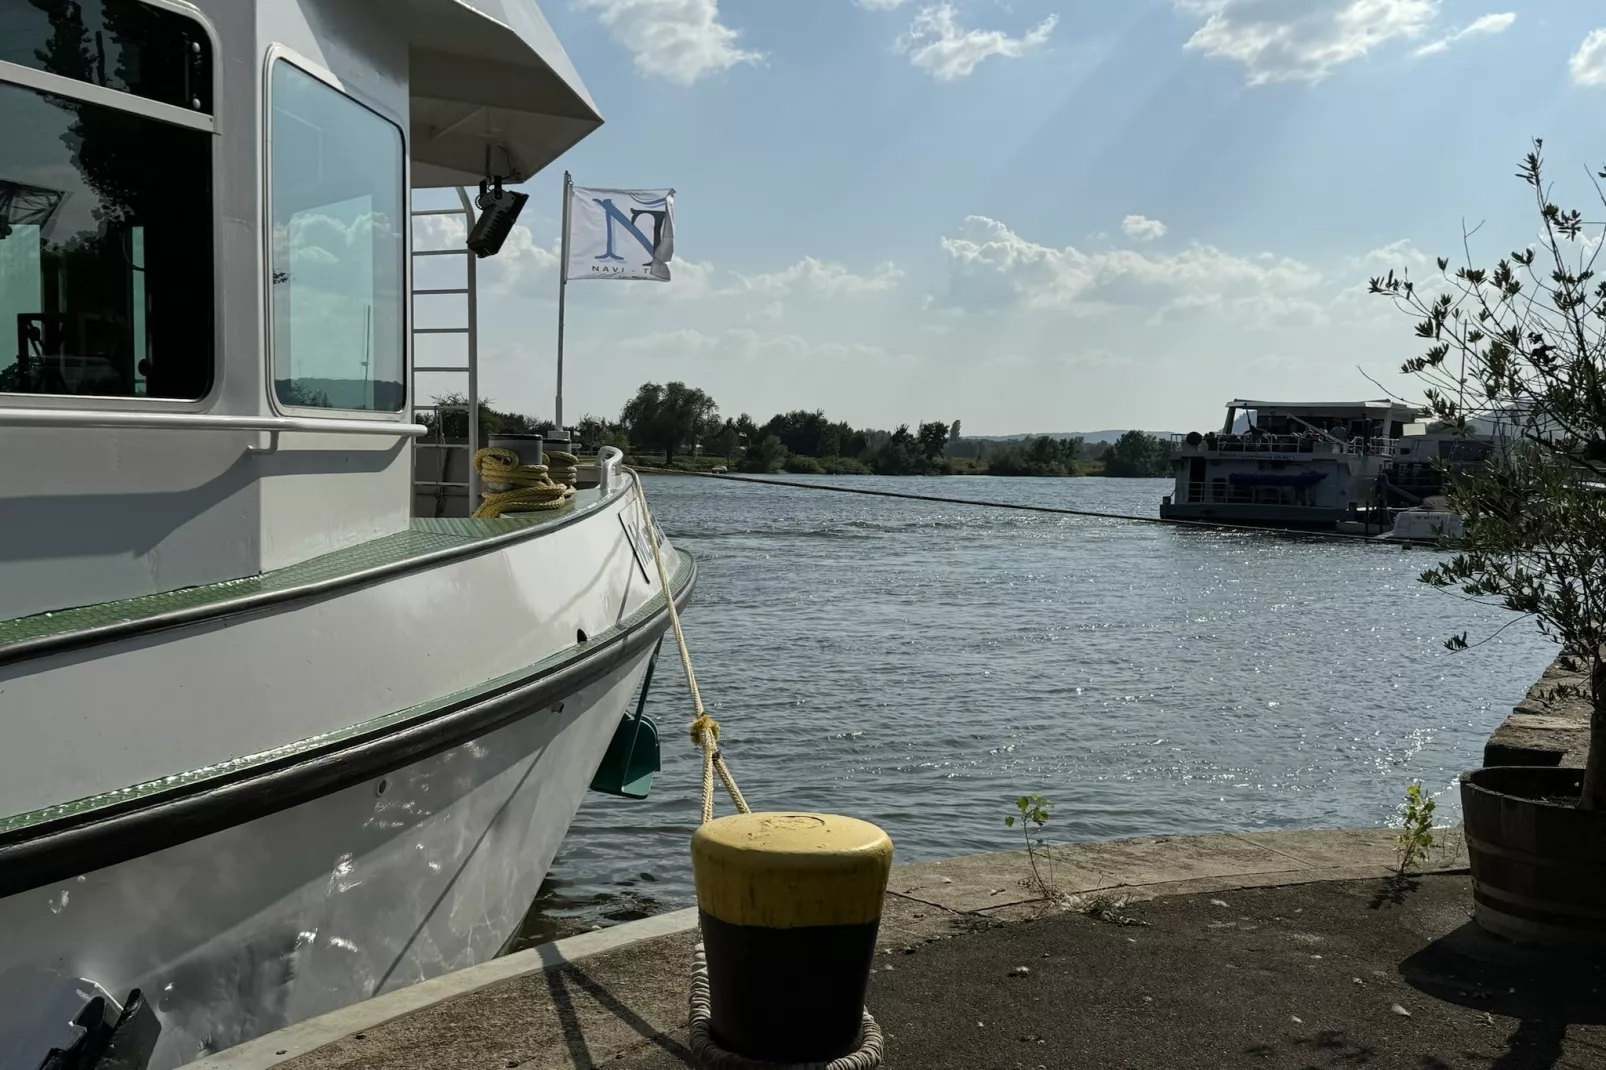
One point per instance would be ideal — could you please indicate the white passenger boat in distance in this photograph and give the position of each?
(1303, 465)
(271, 743)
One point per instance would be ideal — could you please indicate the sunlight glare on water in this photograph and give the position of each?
(919, 665)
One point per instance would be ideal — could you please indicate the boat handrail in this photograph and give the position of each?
(203, 421)
(1308, 443)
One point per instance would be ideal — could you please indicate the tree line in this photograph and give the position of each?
(674, 419)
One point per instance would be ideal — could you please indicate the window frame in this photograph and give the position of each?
(115, 99)
(278, 53)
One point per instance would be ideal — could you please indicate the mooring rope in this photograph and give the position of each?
(704, 729)
(528, 486)
(1137, 518)
(705, 734)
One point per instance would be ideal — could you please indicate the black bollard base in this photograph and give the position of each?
(788, 995)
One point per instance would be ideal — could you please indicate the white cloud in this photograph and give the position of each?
(746, 344)
(1279, 41)
(820, 277)
(1393, 257)
(1109, 317)
(1491, 23)
(936, 43)
(1483, 24)
(992, 268)
(678, 40)
(1588, 64)
(1142, 228)
(521, 263)
(521, 260)
(879, 5)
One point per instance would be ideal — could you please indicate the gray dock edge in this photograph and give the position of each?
(1542, 729)
(987, 885)
(285, 1044)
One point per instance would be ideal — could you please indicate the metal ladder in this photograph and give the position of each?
(470, 369)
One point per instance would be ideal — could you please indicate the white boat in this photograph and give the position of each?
(271, 744)
(1308, 465)
(1425, 525)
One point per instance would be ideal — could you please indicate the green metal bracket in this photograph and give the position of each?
(633, 754)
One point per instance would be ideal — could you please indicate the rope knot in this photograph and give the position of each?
(704, 731)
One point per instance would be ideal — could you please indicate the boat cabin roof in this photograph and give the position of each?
(1329, 408)
(488, 75)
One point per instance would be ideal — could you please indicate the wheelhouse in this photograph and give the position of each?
(206, 358)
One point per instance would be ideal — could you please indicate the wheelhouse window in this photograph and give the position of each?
(338, 258)
(105, 253)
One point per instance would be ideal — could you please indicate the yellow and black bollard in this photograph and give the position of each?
(790, 905)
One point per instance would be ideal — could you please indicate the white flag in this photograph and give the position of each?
(620, 234)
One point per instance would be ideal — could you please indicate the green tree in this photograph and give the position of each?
(1041, 456)
(799, 464)
(450, 420)
(1530, 335)
(766, 455)
(723, 442)
(800, 432)
(596, 432)
(933, 438)
(667, 418)
(1136, 453)
(842, 438)
(900, 455)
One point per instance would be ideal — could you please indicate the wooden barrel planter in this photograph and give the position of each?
(1538, 862)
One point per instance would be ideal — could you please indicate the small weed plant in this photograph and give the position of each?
(1032, 818)
(1415, 841)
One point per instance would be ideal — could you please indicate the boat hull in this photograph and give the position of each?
(1281, 516)
(379, 773)
(426, 869)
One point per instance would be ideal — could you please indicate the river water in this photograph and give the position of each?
(920, 665)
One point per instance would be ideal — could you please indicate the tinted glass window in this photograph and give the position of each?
(125, 45)
(338, 255)
(105, 260)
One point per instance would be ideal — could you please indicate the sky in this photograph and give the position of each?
(1036, 215)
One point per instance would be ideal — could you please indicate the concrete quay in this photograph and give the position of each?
(1543, 730)
(1292, 949)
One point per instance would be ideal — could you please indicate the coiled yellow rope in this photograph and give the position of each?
(529, 487)
(565, 467)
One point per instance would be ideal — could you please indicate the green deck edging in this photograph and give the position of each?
(424, 536)
(679, 577)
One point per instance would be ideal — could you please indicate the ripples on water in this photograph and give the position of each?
(919, 665)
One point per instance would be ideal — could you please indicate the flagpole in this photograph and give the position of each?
(563, 293)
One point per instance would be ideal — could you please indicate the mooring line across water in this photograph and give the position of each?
(988, 504)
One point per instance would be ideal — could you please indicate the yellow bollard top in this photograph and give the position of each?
(789, 870)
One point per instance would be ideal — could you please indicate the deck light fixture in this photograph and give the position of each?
(499, 210)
